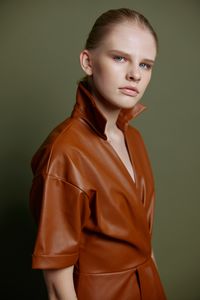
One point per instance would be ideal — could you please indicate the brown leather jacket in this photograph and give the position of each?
(89, 211)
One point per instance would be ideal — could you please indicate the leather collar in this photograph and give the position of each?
(86, 108)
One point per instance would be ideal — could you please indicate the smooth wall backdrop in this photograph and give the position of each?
(40, 43)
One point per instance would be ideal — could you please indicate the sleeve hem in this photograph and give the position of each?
(53, 262)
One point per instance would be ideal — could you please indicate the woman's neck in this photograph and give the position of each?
(109, 111)
(111, 114)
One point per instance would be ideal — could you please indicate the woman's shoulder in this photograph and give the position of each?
(136, 139)
(135, 132)
(56, 147)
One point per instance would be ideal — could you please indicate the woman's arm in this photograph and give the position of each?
(60, 284)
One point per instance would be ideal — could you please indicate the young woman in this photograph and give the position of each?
(93, 190)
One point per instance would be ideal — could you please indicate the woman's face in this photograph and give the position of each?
(121, 66)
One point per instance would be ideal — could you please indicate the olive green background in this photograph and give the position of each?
(40, 43)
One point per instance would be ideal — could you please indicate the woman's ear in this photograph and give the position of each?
(85, 62)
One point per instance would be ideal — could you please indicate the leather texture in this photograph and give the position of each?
(89, 211)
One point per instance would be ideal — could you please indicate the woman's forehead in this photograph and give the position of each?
(129, 37)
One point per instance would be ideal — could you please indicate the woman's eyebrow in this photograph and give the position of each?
(149, 60)
(120, 52)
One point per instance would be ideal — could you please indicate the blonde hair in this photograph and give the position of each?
(112, 17)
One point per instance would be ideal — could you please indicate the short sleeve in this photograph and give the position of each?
(60, 210)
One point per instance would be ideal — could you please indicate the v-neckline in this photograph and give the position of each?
(135, 183)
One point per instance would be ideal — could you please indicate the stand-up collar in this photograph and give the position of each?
(87, 109)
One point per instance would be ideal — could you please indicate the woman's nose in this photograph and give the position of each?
(133, 74)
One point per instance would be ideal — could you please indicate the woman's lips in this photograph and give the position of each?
(129, 91)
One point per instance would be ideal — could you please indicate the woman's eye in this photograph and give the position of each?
(119, 58)
(145, 66)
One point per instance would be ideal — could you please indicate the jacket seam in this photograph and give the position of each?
(63, 180)
(60, 255)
